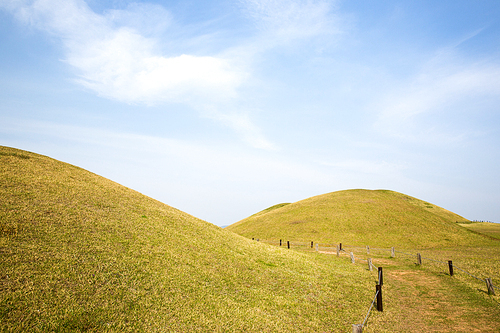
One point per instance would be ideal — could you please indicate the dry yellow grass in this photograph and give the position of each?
(81, 253)
(486, 228)
(377, 218)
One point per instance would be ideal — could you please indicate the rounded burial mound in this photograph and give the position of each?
(360, 217)
(79, 252)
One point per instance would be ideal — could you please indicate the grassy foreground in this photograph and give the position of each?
(377, 218)
(81, 253)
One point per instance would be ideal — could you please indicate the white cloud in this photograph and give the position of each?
(282, 21)
(443, 87)
(149, 19)
(118, 62)
(113, 57)
(120, 55)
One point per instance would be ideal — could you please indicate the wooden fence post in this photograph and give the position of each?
(370, 265)
(489, 285)
(367, 249)
(288, 244)
(380, 276)
(317, 247)
(340, 245)
(338, 251)
(380, 306)
(352, 257)
(419, 259)
(450, 266)
(280, 242)
(357, 328)
(312, 244)
(393, 252)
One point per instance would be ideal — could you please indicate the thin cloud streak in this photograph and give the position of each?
(287, 20)
(440, 88)
(226, 161)
(367, 167)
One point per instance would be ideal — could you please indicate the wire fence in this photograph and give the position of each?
(341, 249)
(370, 309)
(331, 248)
(450, 264)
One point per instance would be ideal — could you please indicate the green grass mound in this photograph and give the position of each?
(360, 217)
(81, 253)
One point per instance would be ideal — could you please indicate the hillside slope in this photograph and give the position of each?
(360, 217)
(81, 253)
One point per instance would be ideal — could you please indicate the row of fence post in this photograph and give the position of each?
(489, 283)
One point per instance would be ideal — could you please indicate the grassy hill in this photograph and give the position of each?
(81, 253)
(360, 217)
(421, 298)
(487, 228)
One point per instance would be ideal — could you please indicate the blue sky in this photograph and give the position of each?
(224, 108)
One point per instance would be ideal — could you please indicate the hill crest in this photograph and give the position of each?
(359, 216)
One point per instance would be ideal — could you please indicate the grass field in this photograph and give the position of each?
(421, 298)
(82, 253)
(426, 298)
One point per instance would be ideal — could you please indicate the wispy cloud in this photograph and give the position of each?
(121, 55)
(285, 20)
(445, 86)
(247, 129)
(113, 57)
(117, 61)
(365, 166)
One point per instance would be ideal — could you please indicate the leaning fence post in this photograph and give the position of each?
(288, 244)
(352, 257)
(367, 249)
(419, 259)
(489, 285)
(393, 252)
(450, 265)
(370, 265)
(357, 328)
(380, 276)
(380, 306)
